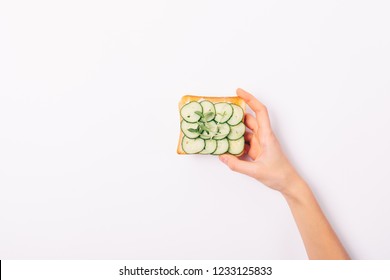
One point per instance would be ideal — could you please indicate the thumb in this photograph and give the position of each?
(238, 165)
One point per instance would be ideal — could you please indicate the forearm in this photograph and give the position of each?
(319, 239)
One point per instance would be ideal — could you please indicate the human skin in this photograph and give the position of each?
(267, 163)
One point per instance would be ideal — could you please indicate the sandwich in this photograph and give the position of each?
(211, 125)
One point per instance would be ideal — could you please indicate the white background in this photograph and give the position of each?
(89, 126)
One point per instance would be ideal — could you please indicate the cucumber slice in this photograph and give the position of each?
(238, 115)
(187, 112)
(192, 146)
(222, 147)
(223, 131)
(209, 109)
(223, 111)
(213, 129)
(185, 126)
(236, 131)
(236, 146)
(210, 147)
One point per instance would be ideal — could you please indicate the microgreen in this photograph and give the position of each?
(193, 130)
(208, 115)
(222, 115)
(204, 124)
(200, 114)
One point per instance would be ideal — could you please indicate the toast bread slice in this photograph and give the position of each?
(188, 98)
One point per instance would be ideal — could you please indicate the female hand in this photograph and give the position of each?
(266, 161)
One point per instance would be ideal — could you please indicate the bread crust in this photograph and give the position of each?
(188, 98)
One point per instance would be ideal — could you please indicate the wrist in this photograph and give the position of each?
(294, 188)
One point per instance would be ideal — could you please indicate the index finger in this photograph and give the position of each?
(259, 109)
